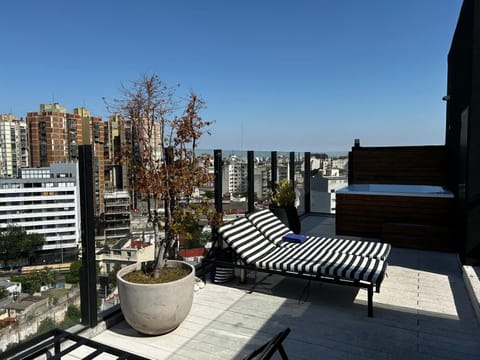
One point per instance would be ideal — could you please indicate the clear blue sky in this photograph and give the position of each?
(276, 75)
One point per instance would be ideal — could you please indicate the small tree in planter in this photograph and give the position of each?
(283, 205)
(164, 167)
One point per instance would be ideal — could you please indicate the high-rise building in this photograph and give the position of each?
(48, 135)
(13, 145)
(116, 172)
(93, 134)
(54, 136)
(234, 175)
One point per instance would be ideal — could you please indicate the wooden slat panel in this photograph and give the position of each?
(419, 219)
(418, 165)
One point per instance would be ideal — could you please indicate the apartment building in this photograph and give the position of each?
(45, 201)
(48, 135)
(235, 169)
(93, 134)
(323, 188)
(116, 220)
(234, 175)
(13, 145)
(115, 132)
(54, 136)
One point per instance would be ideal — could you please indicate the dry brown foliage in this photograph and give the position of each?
(162, 156)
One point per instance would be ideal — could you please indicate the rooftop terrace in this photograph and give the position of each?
(422, 312)
(424, 309)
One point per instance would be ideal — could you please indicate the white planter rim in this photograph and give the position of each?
(137, 266)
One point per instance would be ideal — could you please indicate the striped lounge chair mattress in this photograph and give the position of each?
(252, 246)
(274, 230)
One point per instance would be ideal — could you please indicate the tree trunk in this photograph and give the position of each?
(159, 249)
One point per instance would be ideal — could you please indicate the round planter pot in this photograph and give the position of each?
(155, 309)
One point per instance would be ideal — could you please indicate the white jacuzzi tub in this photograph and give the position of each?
(396, 190)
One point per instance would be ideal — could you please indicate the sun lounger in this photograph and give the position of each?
(304, 260)
(275, 231)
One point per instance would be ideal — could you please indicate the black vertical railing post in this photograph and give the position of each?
(250, 182)
(218, 190)
(57, 342)
(350, 167)
(274, 173)
(88, 276)
(356, 146)
(306, 183)
(217, 168)
(292, 169)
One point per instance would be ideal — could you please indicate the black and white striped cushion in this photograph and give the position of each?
(246, 240)
(274, 230)
(371, 249)
(253, 248)
(271, 226)
(335, 265)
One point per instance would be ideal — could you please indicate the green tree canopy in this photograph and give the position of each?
(32, 283)
(73, 277)
(3, 292)
(45, 325)
(209, 194)
(16, 246)
(73, 313)
(112, 276)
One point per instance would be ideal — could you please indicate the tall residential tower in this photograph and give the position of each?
(54, 136)
(13, 145)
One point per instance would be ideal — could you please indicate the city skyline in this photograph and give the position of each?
(310, 76)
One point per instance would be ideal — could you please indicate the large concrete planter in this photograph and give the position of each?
(155, 309)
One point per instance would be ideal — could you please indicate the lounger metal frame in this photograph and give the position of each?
(371, 287)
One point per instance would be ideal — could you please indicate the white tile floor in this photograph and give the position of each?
(422, 312)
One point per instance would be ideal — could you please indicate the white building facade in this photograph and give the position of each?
(13, 145)
(45, 201)
(323, 190)
(234, 175)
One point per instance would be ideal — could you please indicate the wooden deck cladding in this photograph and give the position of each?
(404, 221)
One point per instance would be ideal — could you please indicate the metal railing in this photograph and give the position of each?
(297, 168)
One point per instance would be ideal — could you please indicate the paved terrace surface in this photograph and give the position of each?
(422, 312)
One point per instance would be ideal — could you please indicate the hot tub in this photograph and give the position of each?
(417, 216)
(396, 190)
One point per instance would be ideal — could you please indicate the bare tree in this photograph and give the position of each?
(162, 157)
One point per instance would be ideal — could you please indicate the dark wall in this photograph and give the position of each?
(416, 165)
(463, 127)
